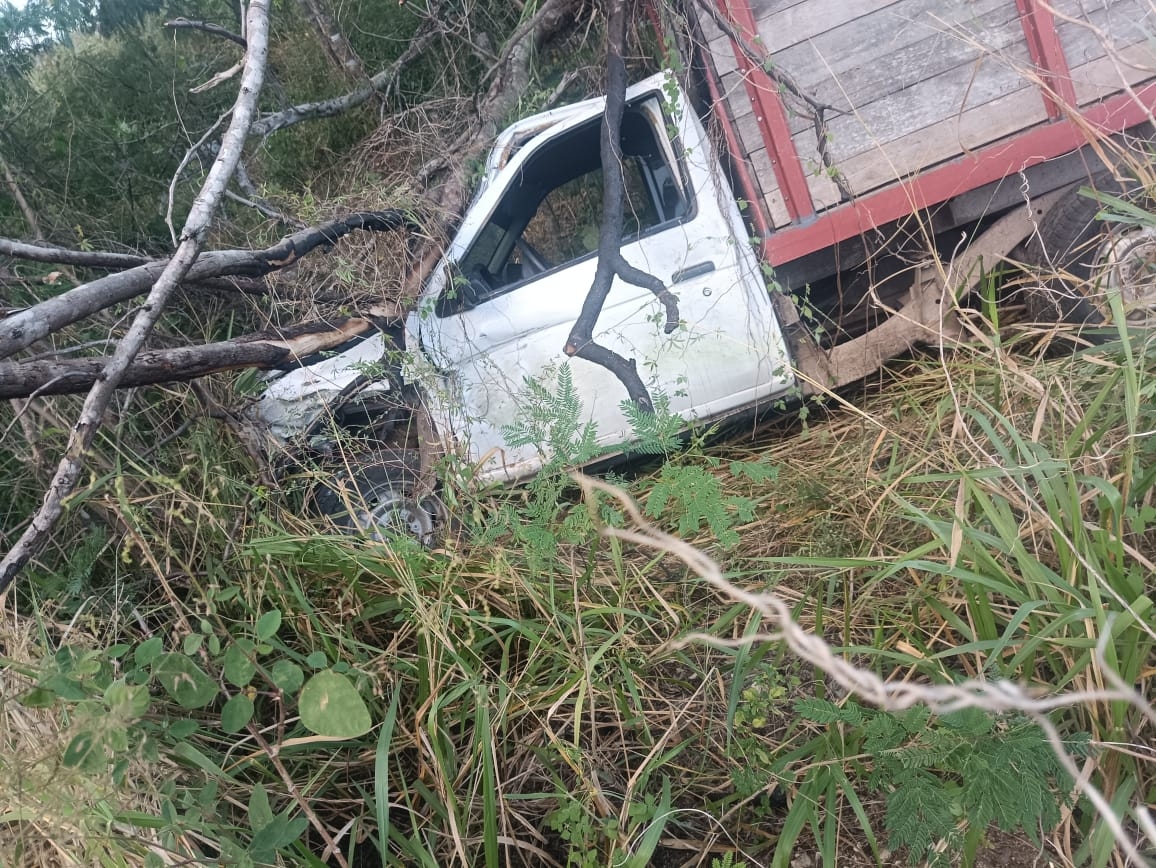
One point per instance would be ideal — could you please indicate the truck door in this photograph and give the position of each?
(514, 281)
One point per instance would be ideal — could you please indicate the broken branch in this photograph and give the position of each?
(382, 82)
(206, 27)
(611, 263)
(24, 328)
(262, 351)
(64, 256)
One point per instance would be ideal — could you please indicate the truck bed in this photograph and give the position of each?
(897, 87)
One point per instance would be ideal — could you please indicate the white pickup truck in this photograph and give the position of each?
(795, 271)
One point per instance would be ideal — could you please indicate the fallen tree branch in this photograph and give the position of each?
(21, 202)
(64, 256)
(611, 263)
(24, 328)
(995, 697)
(382, 83)
(335, 44)
(206, 27)
(261, 351)
(200, 215)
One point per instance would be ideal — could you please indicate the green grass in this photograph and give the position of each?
(990, 517)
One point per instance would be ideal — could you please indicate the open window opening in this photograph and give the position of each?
(551, 215)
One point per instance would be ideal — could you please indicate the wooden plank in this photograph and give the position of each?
(897, 71)
(1091, 32)
(780, 28)
(1108, 74)
(878, 52)
(931, 101)
(909, 111)
(997, 119)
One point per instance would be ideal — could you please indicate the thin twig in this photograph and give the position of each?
(206, 27)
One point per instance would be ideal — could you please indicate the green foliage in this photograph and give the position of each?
(949, 778)
(727, 861)
(552, 421)
(330, 705)
(698, 498)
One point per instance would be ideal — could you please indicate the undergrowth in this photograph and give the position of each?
(195, 672)
(202, 676)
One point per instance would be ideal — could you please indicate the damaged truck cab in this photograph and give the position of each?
(793, 272)
(498, 310)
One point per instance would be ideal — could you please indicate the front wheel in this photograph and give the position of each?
(381, 498)
(1084, 260)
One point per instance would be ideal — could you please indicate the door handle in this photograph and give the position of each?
(696, 270)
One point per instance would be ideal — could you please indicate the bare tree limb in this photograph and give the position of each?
(255, 200)
(333, 41)
(262, 351)
(382, 82)
(24, 328)
(206, 27)
(64, 256)
(196, 225)
(611, 263)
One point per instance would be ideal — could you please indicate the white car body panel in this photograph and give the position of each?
(294, 401)
(471, 365)
(729, 355)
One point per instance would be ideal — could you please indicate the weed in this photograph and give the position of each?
(948, 778)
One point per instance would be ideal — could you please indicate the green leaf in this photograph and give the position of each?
(129, 701)
(182, 729)
(316, 660)
(236, 713)
(148, 651)
(268, 624)
(192, 643)
(260, 814)
(79, 750)
(755, 471)
(68, 689)
(184, 681)
(279, 833)
(287, 676)
(330, 705)
(239, 667)
(38, 697)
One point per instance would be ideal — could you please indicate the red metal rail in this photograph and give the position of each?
(944, 182)
(770, 114)
(1068, 130)
(1047, 54)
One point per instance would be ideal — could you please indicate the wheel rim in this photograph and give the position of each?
(1129, 261)
(396, 513)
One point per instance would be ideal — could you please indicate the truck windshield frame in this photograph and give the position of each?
(548, 218)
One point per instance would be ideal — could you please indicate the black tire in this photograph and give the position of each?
(379, 498)
(1082, 259)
